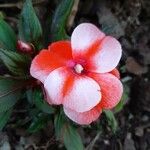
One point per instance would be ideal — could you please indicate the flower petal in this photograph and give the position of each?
(83, 95)
(106, 57)
(58, 55)
(83, 118)
(79, 93)
(54, 84)
(116, 73)
(111, 89)
(83, 36)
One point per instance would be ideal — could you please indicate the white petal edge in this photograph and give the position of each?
(54, 84)
(108, 57)
(84, 118)
(83, 36)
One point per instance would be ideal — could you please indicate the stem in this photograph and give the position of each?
(9, 5)
(19, 4)
(73, 14)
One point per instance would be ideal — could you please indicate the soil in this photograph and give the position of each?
(129, 22)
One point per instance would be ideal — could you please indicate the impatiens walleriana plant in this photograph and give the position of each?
(81, 74)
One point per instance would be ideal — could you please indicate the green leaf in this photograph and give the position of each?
(38, 123)
(111, 120)
(59, 123)
(65, 131)
(60, 19)
(41, 104)
(7, 36)
(29, 26)
(10, 93)
(18, 64)
(29, 96)
(119, 106)
(4, 117)
(2, 15)
(123, 100)
(72, 139)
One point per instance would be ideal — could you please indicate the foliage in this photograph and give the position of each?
(16, 63)
(7, 36)
(41, 104)
(66, 132)
(38, 122)
(10, 93)
(61, 14)
(4, 117)
(29, 26)
(111, 120)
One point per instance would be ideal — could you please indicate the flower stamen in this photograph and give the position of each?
(78, 68)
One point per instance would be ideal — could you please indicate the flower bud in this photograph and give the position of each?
(23, 47)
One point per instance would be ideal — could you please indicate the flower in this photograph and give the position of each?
(81, 74)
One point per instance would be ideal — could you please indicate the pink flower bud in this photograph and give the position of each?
(23, 47)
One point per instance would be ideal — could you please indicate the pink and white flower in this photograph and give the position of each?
(81, 74)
